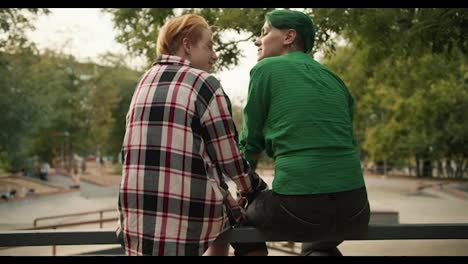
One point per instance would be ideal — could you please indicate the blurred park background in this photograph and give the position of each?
(63, 113)
(406, 67)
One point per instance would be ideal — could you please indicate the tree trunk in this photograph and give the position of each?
(448, 168)
(427, 168)
(459, 169)
(385, 167)
(465, 168)
(440, 169)
(418, 167)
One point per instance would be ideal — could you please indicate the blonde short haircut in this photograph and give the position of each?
(171, 34)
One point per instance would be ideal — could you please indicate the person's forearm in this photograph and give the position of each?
(252, 158)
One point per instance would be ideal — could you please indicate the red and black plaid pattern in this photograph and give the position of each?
(179, 133)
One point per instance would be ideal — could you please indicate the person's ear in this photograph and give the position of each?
(187, 45)
(289, 36)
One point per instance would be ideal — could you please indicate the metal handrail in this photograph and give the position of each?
(21, 238)
(101, 212)
(55, 226)
(105, 220)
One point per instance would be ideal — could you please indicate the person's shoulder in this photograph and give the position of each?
(205, 77)
(327, 70)
(281, 63)
(269, 63)
(267, 66)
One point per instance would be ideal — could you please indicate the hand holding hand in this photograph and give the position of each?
(257, 186)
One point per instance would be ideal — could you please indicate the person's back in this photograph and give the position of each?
(179, 134)
(163, 128)
(308, 129)
(301, 114)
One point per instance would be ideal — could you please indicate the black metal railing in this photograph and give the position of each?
(22, 238)
(100, 212)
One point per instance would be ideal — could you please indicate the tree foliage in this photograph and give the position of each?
(13, 24)
(47, 96)
(408, 108)
(138, 28)
(385, 30)
(406, 68)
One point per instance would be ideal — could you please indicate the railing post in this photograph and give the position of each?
(54, 248)
(100, 219)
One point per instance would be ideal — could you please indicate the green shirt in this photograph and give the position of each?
(301, 114)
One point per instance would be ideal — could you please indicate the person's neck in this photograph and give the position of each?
(289, 51)
(181, 53)
(295, 51)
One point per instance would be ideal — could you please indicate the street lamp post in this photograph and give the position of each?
(67, 157)
(65, 151)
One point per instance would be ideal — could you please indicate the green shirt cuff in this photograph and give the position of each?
(248, 156)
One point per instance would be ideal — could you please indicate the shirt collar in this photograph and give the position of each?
(297, 53)
(172, 59)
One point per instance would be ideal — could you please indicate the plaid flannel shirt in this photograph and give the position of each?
(179, 138)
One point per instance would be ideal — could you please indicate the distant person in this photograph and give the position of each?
(179, 140)
(75, 165)
(301, 114)
(44, 171)
(36, 169)
(75, 181)
(83, 166)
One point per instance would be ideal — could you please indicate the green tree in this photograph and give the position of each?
(396, 30)
(385, 30)
(395, 62)
(138, 28)
(23, 102)
(14, 22)
(408, 108)
(86, 96)
(49, 95)
(122, 81)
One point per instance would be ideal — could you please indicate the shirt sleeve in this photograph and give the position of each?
(220, 136)
(255, 112)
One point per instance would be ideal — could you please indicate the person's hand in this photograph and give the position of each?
(241, 200)
(257, 186)
(238, 214)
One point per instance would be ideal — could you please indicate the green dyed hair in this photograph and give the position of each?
(290, 19)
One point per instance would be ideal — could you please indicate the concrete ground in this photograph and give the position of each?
(429, 205)
(416, 201)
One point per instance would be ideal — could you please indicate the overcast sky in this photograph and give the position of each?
(87, 33)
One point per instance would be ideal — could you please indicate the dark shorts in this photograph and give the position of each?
(317, 217)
